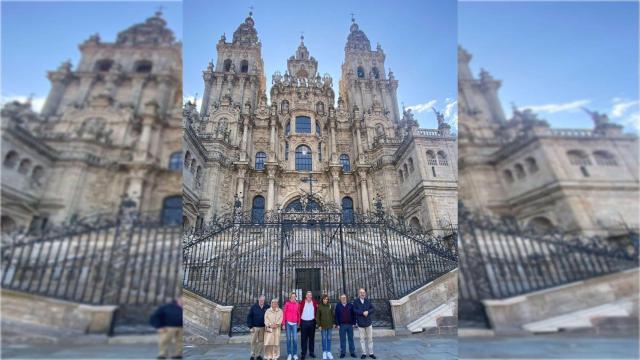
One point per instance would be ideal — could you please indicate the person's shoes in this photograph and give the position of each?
(302, 357)
(372, 356)
(295, 357)
(324, 355)
(252, 358)
(329, 356)
(259, 358)
(289, 357)
(364, 356)
(312, 355)
(342, 355)
(177, 357)
(353, 355)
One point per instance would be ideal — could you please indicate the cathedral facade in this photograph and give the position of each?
(576, 180)
(110, 129)
(273, 152)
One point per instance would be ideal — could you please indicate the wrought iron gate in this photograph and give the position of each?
(238, 258)
(500, 260)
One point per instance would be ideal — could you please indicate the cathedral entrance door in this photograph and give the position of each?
(308, 280)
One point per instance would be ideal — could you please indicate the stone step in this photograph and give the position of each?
(26, 333)
(430, 320)
(580, 321)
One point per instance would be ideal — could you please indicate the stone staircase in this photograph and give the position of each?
(617, 317)
(443, 320)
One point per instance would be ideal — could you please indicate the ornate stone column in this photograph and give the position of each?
(242, 173)
(272, 141)
(245, 139)
(358, 142)
(149, 118)
(364, 191)
(271, 191)
(166, 83)
(334, 147)
(335, 183)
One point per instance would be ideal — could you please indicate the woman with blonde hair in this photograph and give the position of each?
(272, 322)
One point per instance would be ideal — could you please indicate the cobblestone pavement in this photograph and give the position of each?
(103, 351)
(385, 348)
(549, 347)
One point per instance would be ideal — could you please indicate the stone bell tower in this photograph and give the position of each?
(363, 82)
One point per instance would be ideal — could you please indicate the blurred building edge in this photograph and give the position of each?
(581, 181)
(109, 127)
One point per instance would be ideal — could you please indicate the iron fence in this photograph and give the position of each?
(498, 259)
(240, 258)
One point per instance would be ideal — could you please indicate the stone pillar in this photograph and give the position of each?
(207, 76)
(136, 93)
(85, 88)
(335, 177)
(242, 171)
(364, 191)
(334, 146)
(148, 120)
(272, 141)
(358, 144)
(271, 173)
(245, 139)
(165, 92)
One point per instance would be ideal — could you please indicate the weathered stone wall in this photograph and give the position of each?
(205, 322)
(420, 302)
(38, 310)
(508, 315)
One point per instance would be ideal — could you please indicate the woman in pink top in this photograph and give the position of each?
(290, 320)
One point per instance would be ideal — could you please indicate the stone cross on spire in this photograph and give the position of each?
(251, 11)
(353, 17)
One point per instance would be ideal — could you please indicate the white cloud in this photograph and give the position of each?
(621, 106)
(422, 107)
(557, 107)
(37, 102)
(626, 112)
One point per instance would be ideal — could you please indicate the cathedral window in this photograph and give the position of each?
(347, 210)
(520, 174)
(346, 164)
(442, 159)
(226, 66)
(172, 210)
(414, 224)
(284, 107)
(532, 165)
(244, 66)
(376, 72)
(11, 159)
(540, 225)
(604, 158)
(431, 158)
(508, 176)
(37, 174)
(411, 167)
(303, 158)
(187, 159)
(257, 210)
(25, 166)
(143, 67)
(360, 72)
(175, 161)
(104, 65)
(303, 125)
(578, 157)
(261, 157)
(320, 108)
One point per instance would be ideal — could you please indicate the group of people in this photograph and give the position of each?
(267, 322)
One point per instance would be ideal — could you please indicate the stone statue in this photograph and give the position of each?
(598, 118)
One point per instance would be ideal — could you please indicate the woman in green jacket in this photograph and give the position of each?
(326, 320)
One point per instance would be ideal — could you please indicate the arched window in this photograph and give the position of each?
(414, 224)
(578, 157)
(347, 210)
(318, 131)
(172, 210)
(508, 176)
(257, 210)
(37, 174)
(540, 225)
(25, 166)
(11, 159)
(411, 167)
(175, 161)
(303, 158)
(296, 205)
(360, 72)
(604, 158)
(104, 65)
(532, 165)
(261, 157)
(143, 67)
(320, 107)
(442, 159)
(286, 151)
(244, 66)
(431, 158)
(187, 159)
(346, 164)
(520, 174)
(227, 65)
(376, 72)
(284, 107)
(303, 125)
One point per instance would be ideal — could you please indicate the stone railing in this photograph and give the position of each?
(573, 132)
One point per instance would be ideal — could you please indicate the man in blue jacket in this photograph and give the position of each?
(168, 320)
(363, 309)
(345, 319)
(255, 322)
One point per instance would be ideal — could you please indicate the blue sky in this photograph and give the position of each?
(554, 57)
(38, 36)
(418, 38)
